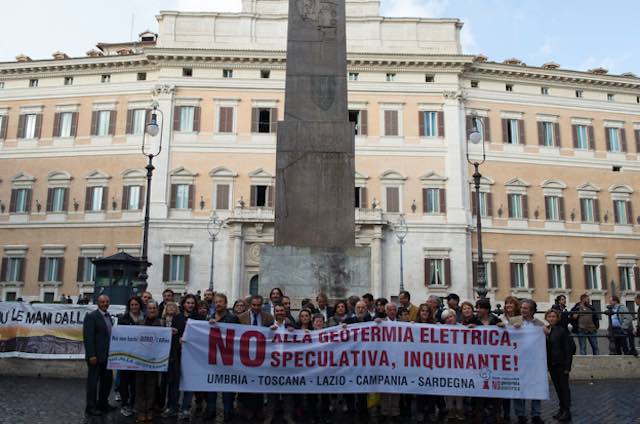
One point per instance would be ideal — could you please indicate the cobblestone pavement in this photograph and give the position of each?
(50, 401)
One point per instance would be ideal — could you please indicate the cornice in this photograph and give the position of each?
(72, 66)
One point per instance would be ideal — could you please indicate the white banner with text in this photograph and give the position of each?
(139, 348)
(387, 357)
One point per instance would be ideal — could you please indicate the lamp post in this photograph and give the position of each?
(152, 129)
(476, 137)
(401, 233)
(213, 227)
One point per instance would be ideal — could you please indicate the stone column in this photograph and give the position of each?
(238, 261)
(376, 261)
(160, 182)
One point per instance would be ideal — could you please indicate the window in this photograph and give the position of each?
(30, 126)
(556, 276)
(52, 270)
(391, 123)
(187, 115)
(182, 196)
(547, 134)
(627, 277)
(354, 76)
(544, 91)
(56, 200)
(68, 80)
(432, 200)
(177, 271)
(139, 116)
(391, 77)
(2, 86)
(484, 204)
(20, 200)
(613, 140)
(588, 210)
(10, 296)
(265, 74)
(516, 210)
(474, 84)
(65, 123)
(579, 93)
(142, 76)
(610, 97)
(33, 83)
(95, 199)
(430, 123)
(261, 196)
(429, 78)
(392, 199)
(552, 208)
(513, 135)
(592, 276)
(227, 73)
(187, 72)
(223, 193)
(106, 78)
(519, 275)
(225, 119)
(582, 137)
(438, 270)
(361, 197)
(637, 97)
(86, 270)
(264, 120)
(620, 211)
(509, 87)
(360, 119)
(14, 270)
(48, 297)
(133, 199)
(104, 121)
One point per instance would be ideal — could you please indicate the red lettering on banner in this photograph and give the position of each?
(225, 345)
(261, 347)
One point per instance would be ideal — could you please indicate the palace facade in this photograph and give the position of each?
(559, 196)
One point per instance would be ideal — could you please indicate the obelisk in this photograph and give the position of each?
(315, 216)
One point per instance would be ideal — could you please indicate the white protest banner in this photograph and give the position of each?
(43, 330)
(139, 348)
(387, 357)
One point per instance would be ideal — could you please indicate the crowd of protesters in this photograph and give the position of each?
(146, 394)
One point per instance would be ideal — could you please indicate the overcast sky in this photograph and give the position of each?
(578, 34)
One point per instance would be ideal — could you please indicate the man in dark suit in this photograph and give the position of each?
(357, 403)
(96, 330)
(323, 306)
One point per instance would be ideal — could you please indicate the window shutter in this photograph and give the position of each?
(421, 122)
(125, 197)
(222, 196)
(540, 133)
(623, 139)
(489, 204)
(56, 125)
(80, 273)
(583, 209)
(447, 272)
(274, 120)
(549, 274)
(474, 204)
(596, 210)
(74, 124)
(486, 128)
(4, 120)
(270, 195)
(509, 205)
(253, 197)
(38, 129)
(607, 137)
(561, 208)
(21, 269)
(521, 134)
(391, 122)
(574, 135)
(620, 275)
(637, 133)
(12, 203)
(441, 124)
(60, 276)
(141, 199)
(603, 277)
(230, 112)
(567, 276)
(105, 198)
(176, 120)
(112, 122)
(616, 215)
(166, 265)
(41, 268)
(636, 277)
(192, 190)
(196, 118)
(443, 200)
(255, 120)
(469, 124)
(94, 122)
(187, 261)
(556, 134)
(3, 270)
(532, 283)
(130, 113)
(174, 196)
(20, 133)
(427, 271)
(28, 201)
(547, 212)
(49, 200)
(586, 276)
(393, 199)
(512, 269)
(364, 123)
(87, 198)
(65, 200)
(525, 206)
(592, 138)
(505, 130)
(494, 274)
(629, 212)
(424, 200)
(363, 197)
(222, 119)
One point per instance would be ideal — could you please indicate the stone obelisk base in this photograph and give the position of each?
(304, 272)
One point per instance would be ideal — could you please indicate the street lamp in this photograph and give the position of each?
(152, 129)
(401, 233)
(475, 138)
(213, 227)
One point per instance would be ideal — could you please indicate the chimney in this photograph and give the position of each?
(23, 58)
